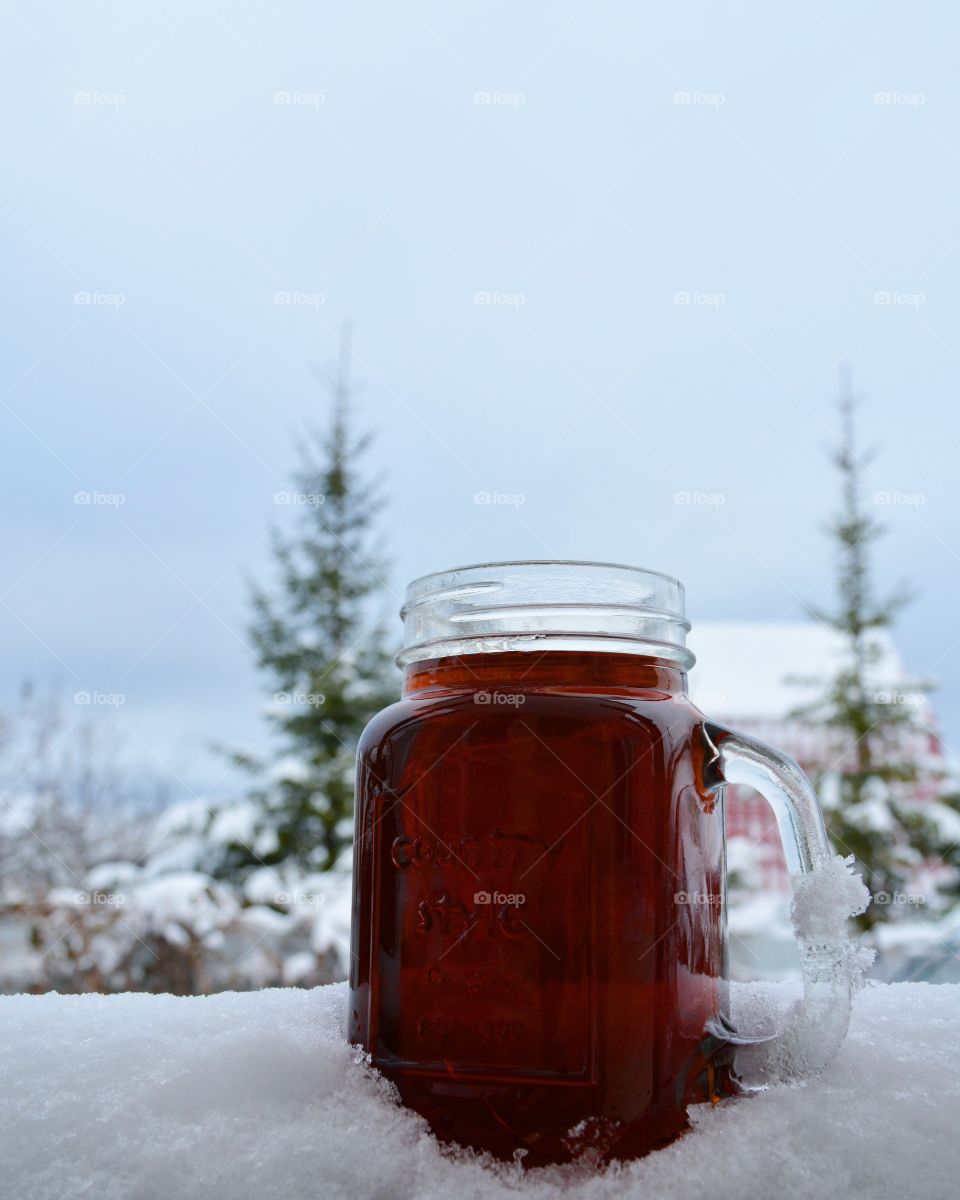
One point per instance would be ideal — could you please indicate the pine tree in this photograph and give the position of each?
(323, 644)
(866, 791)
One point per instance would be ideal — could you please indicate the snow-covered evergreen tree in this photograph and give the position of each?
(867, 790)
(321, 640)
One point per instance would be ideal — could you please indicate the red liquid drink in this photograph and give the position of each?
(539, 911)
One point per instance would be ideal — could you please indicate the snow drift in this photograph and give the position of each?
(258, 1095)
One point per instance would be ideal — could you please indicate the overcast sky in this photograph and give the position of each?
(597, 254)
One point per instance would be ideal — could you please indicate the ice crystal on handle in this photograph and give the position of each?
(825, 899)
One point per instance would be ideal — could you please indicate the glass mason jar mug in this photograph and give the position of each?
(538, 952)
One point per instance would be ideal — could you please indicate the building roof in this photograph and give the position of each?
(744, 668)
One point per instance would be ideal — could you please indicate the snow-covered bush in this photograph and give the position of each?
(103, 889)
(165, 926)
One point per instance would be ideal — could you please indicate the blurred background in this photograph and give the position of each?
(303, 301)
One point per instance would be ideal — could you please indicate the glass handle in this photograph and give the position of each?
(826, 893)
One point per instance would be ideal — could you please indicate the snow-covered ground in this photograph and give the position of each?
(258, 1095)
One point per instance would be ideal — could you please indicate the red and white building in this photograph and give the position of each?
(753, 675)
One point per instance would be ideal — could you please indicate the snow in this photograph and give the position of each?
(184, 900)
(753, 669)
(258, 1095)
(946, 820)
(235, 823)
(825, 898)
(298, 967)
(290, 770)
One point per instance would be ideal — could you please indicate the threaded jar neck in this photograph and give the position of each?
(544, 606)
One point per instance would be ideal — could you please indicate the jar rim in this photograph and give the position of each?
(546, 562)
(523, 604)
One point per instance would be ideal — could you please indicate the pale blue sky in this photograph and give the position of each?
(812, 173)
